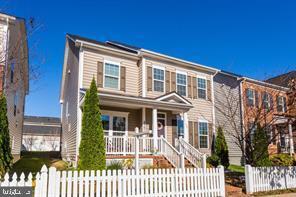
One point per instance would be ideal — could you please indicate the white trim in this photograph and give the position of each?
(213, 106)
(208, 136)
(173, 94)
(144, 88)
(205, 89)
(186, 86)
(185, 127)
(159, 68)
(119, 69)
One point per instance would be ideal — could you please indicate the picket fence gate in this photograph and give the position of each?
(148, 182)
(269, 178)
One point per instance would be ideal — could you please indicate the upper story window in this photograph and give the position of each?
(266, 101)
(181, 84)
(281, 104)
(12, 72)
(202, 89)
(203, 134)
(16, 98)
(158, 79)
(111, 75)
(250, 97)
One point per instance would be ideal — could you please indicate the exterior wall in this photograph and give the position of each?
(90, 62)
(227, 96)
(41, 143)
(15, 88)
(70, 104)
(251, 112)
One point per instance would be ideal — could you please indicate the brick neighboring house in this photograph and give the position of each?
(288, 80)
(267, 103)
(14, 75)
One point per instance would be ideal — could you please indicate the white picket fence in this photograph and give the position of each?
(269, 178)
(152, 182)
(15, 181)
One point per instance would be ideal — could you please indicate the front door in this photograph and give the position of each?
(161, 124)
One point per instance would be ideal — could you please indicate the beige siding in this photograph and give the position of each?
(69, 121)
(91, 57)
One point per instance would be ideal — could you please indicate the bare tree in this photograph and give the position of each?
(261, 111)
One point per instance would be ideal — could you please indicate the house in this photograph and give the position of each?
(228, 112)
(165, 97)
(267, 103)
(14, 75)
(41, 133)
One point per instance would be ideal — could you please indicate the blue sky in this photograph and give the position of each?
(253, 38)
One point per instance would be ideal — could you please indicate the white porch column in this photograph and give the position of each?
(291, 139)
(186, 131)
(154, 128)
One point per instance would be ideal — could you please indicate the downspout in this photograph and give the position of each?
(241, 80)
(213, 108)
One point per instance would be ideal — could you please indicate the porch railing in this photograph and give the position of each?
(190, 153)
(172, 154)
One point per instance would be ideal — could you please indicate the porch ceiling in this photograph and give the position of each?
(134, 102)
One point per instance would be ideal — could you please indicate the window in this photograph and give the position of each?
(281, 104)
(111, 76)
(181, 84)
(16, 98)
(105, 122)
(266, 101)
(203, 135)
(250, 97)
(201, 84)
(180, 126)
(12, 72)
(252, 128)
(158, 79)
(114, 123)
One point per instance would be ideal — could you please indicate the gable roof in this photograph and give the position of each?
(173, 96)
(283, 79)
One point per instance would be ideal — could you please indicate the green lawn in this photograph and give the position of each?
(33, 163)
(235, 168)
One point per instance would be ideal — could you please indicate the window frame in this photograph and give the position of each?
(153, 79)
(12, 69)
(181, 73)
(111, 114)
(283, 104)
(104, 74)
(204, 78)
(15, 103)
(268, 96)
(199, 135)
(253, 98)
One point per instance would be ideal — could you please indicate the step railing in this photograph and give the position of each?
(172, 154)
(190, 153)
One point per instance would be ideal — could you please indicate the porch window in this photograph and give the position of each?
(105, 122)
(201, 84)
(180, 126)
(111, 76)
(281, 104)
(203, 135)
(114, 123)
(119, 123)
(250, 97)
(158, 79)
(181, 84)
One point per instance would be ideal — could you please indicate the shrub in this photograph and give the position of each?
(92, 154)
(213, 160)
(282, 160)
(221, 148)
(5, 149)
(149, 166)
(115, 165)
(128, 163)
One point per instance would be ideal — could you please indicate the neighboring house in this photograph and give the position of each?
(228, 109)
(288, 80)
(14, 75)
(159, 94)
(268, 104)
(41, 133)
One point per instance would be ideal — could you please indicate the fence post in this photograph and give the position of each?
(204, 161)
(182, 161)
(51, 181)
(249, 179)
(43, 180)
(222, 180)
